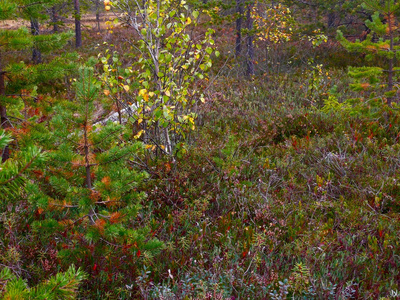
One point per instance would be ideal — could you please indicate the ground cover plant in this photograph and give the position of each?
(152, 165)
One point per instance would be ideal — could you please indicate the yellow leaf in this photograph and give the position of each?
(126, 88)
(148, 146)
(151, 94)
(139, 134)
(189, 21)
(168, 93)
(108, 7)
(139, 121)
(106, 92)
(142, 92)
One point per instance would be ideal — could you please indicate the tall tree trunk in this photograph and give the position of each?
(239, 21)
(249, 40)
(3, 113)
(98, 14)
(331, 20)
(54, 18)
(78, 30)
(36, 54)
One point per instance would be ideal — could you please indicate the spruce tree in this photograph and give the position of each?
(381, 46)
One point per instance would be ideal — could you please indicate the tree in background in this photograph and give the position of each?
(381, 47)
(328, 14)
(250, 40)
(239, 22)
(36, 14)
(273, 26)
(240, 6)
(78, 29)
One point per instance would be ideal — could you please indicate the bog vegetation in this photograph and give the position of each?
(171, 149)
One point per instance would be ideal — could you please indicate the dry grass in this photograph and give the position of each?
(12, 24)
(88, 21)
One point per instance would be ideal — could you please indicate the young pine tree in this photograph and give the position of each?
(19, 79)
(382, 46)
(87, 193)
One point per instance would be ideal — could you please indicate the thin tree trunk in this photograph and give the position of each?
(331, 20)
(3, 113)
(87, 161)
(78, 30)
(36, 54)
(98, 14)
(390, 74)
(239, 21)
(249, 39)
(54, 19)
(168, 146)
(119, 111)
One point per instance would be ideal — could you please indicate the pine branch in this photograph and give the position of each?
(21, 171)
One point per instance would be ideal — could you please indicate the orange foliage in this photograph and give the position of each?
(94, 195)
(115, 217)
(107, 181)
(99, 224)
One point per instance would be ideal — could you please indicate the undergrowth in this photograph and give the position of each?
(278, 199)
